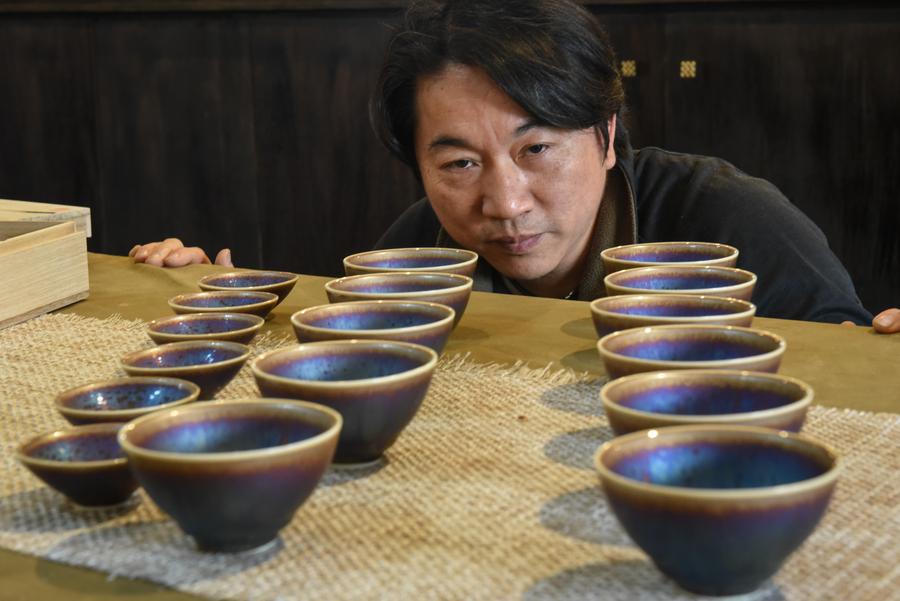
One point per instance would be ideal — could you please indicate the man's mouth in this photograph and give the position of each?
(517, 245)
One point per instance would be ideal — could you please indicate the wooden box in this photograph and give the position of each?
(43, 266)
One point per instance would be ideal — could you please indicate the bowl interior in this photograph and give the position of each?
(81, 447)
(206, 324)
(359, 365)
(220, 301)
(411, 258)
(247, 280)
(719, 464)
(228, 434)
(671, 306)
(161, 357)
(378, 319)
(710, 398)
(688, 345)
(686, 280)
(670, 253)
(125, 396)
(381, 284)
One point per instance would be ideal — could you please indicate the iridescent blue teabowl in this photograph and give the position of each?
(276, 282)
(448, 289)
(225, 301)
(674, 279)
(613, 313)
(123, 399)
(668, 398)
(442, 260)
(418, 322)
(663, 253)
(376, 385)
(232, 473)
(237, 327)
(210, 364)
(84, 463)
(717, 508)
(693, 346)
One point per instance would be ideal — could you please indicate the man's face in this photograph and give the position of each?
(523, 196)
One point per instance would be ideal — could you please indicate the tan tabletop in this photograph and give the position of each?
(849, 367)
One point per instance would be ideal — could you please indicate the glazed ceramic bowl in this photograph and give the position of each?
(279, 283)
(440, 260)
(445, 288)
(254, 303)
(376, 385)
(236, 327)
(84, 463)
(717, 508)
(645, 254)
(210, 364)
(614, 313)
(673, 398)
(659, 348)
(680, 279)
(123, 399)
(428, 324)
(232, 473)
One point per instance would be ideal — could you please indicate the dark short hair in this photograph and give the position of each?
(551, 57)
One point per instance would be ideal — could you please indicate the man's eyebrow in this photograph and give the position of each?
(441, 141)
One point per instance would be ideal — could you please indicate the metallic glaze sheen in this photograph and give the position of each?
(682, 279)
(435, 260)
(235, 301)
(279, 283)
(665, 253)
(613, 313)
(235, 327)
(123, 399)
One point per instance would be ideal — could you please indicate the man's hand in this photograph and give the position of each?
(886, 322)
(172, 253)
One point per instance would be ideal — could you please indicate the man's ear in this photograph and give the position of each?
(609, 161)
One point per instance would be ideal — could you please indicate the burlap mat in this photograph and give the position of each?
(489, 494)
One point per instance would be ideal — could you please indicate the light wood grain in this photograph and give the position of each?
(22, 210)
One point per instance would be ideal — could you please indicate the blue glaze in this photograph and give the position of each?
(87, 447)
(127, 396)
(689, 350)
(400, 288)
(378, 320)
(248, 281)
(704, 400)
(670, 256)
(210, 325)
(342, 367)
(721, 465)
(186, 357)
(679, 282)
(412, 263)
(669, 310)
(230, 434)
(219, 302)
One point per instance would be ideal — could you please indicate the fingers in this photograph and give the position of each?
(185, 256)
(887, 322)
(224, 258)
(847, 323)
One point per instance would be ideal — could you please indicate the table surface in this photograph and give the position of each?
(849, 367)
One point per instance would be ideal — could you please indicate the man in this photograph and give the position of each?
(509, 114)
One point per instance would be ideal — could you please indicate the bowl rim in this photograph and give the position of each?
(449, 316)
(465, 284)
(130, 448)
(712, 375)
(471, 257)
(750, 282)
(291, 278)
(187, 369)
(268, 298)
(748, 308)
(192, 390)
(54, 435)
(256, 323)
(733, 253)
(719, 494)
(426, 367)
(674, 364)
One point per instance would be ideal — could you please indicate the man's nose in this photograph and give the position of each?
(505, 194)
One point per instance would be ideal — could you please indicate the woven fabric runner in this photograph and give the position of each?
(489, 494)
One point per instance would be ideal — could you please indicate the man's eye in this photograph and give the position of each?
(536, 148)
(459, 164)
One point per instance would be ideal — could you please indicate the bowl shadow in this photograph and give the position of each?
(580, 328)
(581, 398)
(584, 515)
(576, 448)
(45, 510)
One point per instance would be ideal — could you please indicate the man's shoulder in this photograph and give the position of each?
(416, 226)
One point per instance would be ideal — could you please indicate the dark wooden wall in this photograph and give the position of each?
(250, 129)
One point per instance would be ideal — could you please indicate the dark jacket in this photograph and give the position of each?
(688, 197)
